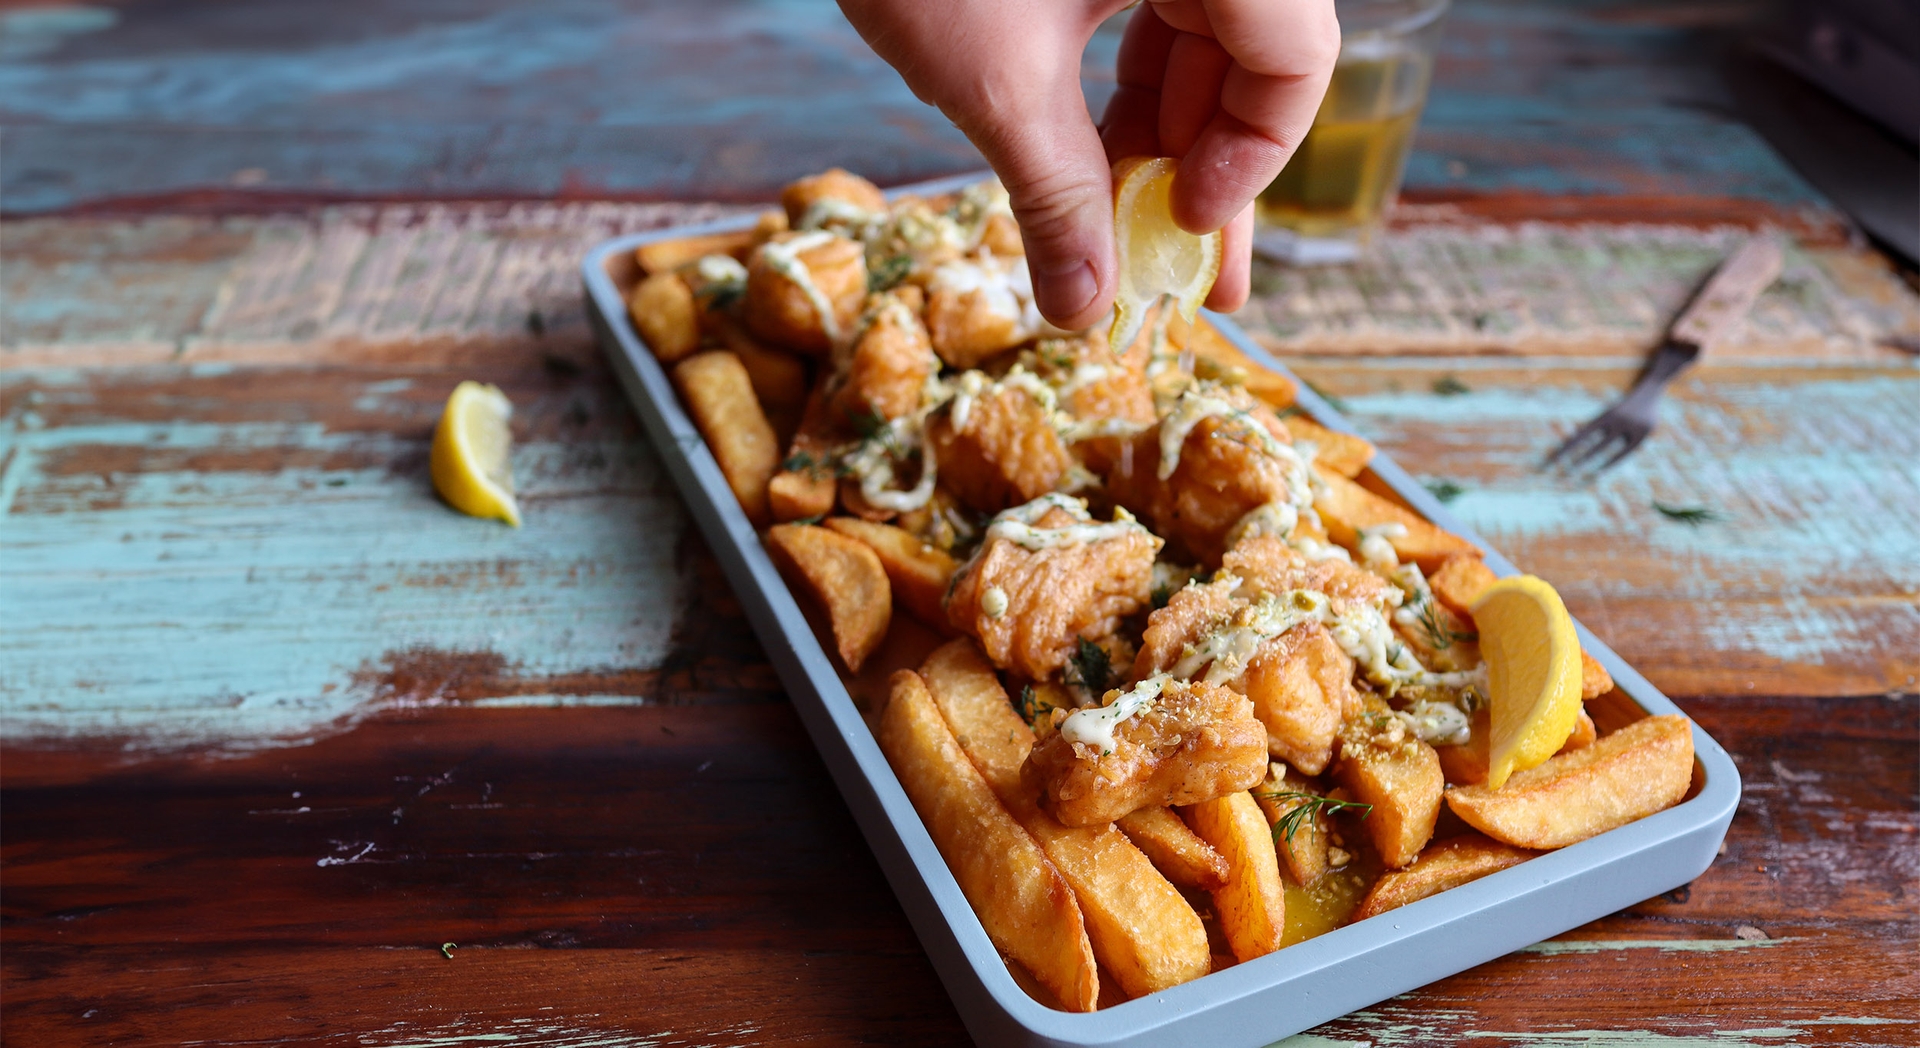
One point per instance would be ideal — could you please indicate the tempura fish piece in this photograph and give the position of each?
(1000, 450)
(884, 373)
(1045, 577)
(977, 307)
(1265, 563)
(1227, 464)
(1185, 743)
(833, 195)
(804, 290)
(1107, 396)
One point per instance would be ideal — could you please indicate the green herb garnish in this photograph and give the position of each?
(1442, 635)
(721, 297)
(1693, 516)
(888, 274)
(1445, 490)
(815, 519)
(1311, 805)
(1448, 386)
(1032, 707)
(1092, 669)
(447, 948)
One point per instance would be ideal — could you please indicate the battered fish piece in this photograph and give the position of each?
(804, 290)
(1192, 742)
(978, 307)
(885, 373)
(1108, 397)
(1004, 452)
(830, 194)
(1047, 576)
(1299, 680)
(1228, 465)
(1265, 563)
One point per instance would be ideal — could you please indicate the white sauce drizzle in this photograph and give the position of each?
(1016, 525)
(994, 602)
(1195, 405)
(1095, 726)
(1226, 650)
(1437, 723)
(783, 257)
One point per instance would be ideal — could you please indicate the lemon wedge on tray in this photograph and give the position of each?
(1156, 257)
(470, 453)
(1533, 673)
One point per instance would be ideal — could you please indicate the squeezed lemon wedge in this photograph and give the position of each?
(1533, 673)
(1155, 256)
(470, 451)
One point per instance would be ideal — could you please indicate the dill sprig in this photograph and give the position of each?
(1092, 668)
(1032, 706)
(1445, 490)
(889, 273)
(1311, 805)
(1693, 516)
(1442, 635)
(1448, 386)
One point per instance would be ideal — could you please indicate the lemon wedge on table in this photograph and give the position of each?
(1533, 673)
(1156, 257)
(470, 449)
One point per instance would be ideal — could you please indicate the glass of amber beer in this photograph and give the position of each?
(1332, 195)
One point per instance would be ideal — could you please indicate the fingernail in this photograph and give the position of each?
(1067, 292)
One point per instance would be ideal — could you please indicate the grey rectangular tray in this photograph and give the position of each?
(1248, 1004)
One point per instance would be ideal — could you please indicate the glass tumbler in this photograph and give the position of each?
(1334, 193)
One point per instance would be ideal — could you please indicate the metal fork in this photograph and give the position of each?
(1727, 296)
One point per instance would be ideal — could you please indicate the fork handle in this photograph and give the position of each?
(1729, 294)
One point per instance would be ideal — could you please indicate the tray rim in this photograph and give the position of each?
(968, 964)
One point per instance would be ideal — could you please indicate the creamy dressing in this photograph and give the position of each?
(714, 271)
(994, 602)
(1226, 650)
(783, 257)
(1281, 520)
(828, 211)
(1376, 547)
(1437, 723)
(1095, 726)
(1017, 526)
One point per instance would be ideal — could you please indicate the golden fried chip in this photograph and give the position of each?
(1595, 681)
(1143, 931)
(664, 313)
(1207, 343)
(1384, 764)
(1443, 865)
(809, 476)
(1025, 905)
(1253, 905)
(1303, 851)
(844, 576)
(779, 378)
(665, 256)
(1175, 849)
(719, 395)
(1643, 768)
(919, 572)
(1460, 581)
(1584, 733)
(1345, 508)
(1342, 453)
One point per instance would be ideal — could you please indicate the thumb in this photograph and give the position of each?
(1061, 188)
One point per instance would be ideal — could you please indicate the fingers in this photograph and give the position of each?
(1196, 71)
(1231, 287)
(1061, 187)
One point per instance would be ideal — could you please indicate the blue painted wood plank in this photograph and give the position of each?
(730, 99)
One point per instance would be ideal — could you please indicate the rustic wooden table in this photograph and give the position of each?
(294, 754)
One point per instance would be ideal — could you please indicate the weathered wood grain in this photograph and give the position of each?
(1806, 582)
(122, 104)
(688, 875)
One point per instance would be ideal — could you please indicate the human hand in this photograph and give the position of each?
(1229, 87)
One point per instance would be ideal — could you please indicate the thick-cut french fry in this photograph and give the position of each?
(1210, 345)
(1304, 851)
(919, 572)
(1387, 766)
(1643, 768)
(1346, 508)
(719, 396)
(807, 480)
(1253, 905)
(1460, 581)
(1175, 849)
(1584, 733)
(1595, 681)
(1143, 932)
(1342, 453)
(779, 378)
(664, 256)
(664, 313)
(845, 577)
(1024, 903)
(1443, 865)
